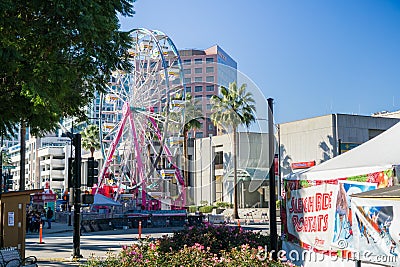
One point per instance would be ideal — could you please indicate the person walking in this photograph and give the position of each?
(49, 217)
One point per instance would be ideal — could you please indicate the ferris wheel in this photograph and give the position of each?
(141, 123)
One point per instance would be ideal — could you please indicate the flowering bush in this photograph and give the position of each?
(196, 246)
(216, 237)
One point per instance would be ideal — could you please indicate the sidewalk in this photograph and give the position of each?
(56, 227)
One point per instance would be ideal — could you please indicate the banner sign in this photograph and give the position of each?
(303, 165)
(42, 197)
(376, 237)
(310, 214)
(318, 214)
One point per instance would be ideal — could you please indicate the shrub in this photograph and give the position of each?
(149, 254)
(206, 209)
(216, 237)
(193, 209)
(223, 204)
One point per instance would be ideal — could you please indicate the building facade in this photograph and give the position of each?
(204, 72)
(213, 170)
(46, 163)
(321, 138)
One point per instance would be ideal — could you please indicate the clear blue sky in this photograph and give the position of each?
(313, 57)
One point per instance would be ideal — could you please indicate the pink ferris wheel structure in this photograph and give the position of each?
(141, 124)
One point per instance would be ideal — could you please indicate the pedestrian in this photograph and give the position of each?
(49, 217)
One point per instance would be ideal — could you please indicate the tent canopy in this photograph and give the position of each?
(100, 200)
(387, 192)
(378, 154)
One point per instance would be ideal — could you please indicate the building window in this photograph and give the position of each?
(187, 80)
(209, 96)
(199, 107)
(187, 62)
(198, 88)
(199, 135)
(210, 60)
(210, 79)
(198, 96)
(187, 71)
(209, 106)
(198, 70)
(210, 88)
(198, 61)
(209, 69)
(198, 79)
(210, 127)
(219, 158)
(188, 89)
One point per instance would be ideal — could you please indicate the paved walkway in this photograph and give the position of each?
(55, 228)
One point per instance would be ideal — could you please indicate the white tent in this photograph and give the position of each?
(377, 154)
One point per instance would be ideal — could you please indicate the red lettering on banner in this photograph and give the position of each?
(310, 223)
(325, 223)
(311, 204)
(319, 202)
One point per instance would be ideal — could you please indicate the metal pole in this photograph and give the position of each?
(279, 164)
(69, 208)
(272, 197)
(77, 195)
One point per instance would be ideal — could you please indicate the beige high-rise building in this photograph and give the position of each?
(204, 72)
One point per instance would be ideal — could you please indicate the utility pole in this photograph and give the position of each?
(272, 197)
(76, 189)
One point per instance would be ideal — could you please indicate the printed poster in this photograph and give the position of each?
(376, 233)
(342, 231)
(310, 213)
(10, 218)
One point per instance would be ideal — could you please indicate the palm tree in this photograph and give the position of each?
(90, 138)
(234, 107)
(192, 116)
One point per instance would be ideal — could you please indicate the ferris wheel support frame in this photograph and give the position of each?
(127, 113)
(169, 156)
(113, 146)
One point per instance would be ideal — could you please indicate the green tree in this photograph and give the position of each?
(192, 115)
(232, 108)
(90, 138)
(54, 56)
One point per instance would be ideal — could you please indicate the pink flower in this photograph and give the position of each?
(152, 246)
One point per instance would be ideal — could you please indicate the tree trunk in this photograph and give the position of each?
(235, 191)
(22, 156)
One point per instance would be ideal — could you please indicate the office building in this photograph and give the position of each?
(204, 72)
